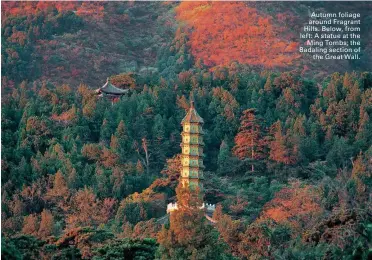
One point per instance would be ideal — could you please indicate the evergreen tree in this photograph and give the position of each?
(250, 141)
(278, 151)
(46, 224)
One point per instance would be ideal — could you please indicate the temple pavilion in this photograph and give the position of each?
(192, 156)
(110, 91)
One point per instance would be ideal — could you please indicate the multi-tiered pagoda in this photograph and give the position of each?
(192, 149)
(192, 155)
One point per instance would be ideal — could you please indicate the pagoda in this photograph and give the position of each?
(192, 149)
(192, 156)
(110, 91)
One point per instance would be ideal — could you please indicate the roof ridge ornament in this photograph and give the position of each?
(192, 115)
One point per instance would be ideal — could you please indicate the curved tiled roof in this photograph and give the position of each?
(108, 88)
(192, 116)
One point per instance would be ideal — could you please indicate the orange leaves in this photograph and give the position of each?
(282, 148)
(184, 77)
(108, 208)
(292, 47)
(22, 8)
(124, 81)
(86, 209)
(30, 225)
(146, 229)
(91, 151)
(250, 141)
(92, 10)
(12, 53)
(18, 37)
(223, 32)
(88, 10)
(46, 224)
(108, 158)
(60, 191)
(238, 206)
(255, 242)
(102, 155)
(297, 206)
(66, 117)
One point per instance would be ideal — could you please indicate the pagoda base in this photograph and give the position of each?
(209, 208)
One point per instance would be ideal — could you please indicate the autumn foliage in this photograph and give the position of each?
(296, 206)
(250, 141)
(218, 36)
(287, 157)
(93, 10)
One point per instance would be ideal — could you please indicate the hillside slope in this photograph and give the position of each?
(264, 35)
(116, 37)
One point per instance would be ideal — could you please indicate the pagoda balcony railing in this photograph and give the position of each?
(201, 166)
(188, 155)
(192, 133)
(193, 144)
(199, 131)
(199, 176)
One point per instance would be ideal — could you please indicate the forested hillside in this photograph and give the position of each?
(85, 42)
(82, 42)
(287, 153)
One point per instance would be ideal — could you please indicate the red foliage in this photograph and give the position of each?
(223, 32)
(249, 141)
(18, 37)
(66, 117)
(92, 10)
(26, 7)
(297, 206)
(283, 149)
